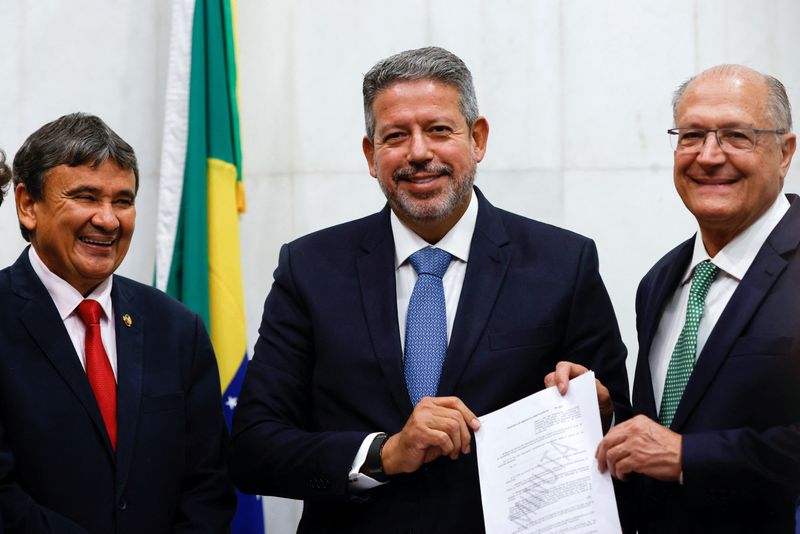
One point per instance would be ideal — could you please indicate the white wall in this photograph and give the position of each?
(577, 94)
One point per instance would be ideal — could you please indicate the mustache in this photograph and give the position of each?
(429, 168)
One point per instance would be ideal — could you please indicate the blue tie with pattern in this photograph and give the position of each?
(426, 325)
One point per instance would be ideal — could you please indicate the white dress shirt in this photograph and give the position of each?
(733, 262)
(67, 298)
(457, 242)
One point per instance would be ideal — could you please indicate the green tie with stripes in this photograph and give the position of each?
(682, 361)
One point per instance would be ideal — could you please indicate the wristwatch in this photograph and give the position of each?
(373, 465)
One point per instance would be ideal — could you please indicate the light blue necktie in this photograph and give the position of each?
(426, 325)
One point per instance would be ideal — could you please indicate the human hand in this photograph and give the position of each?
(565, 371)
(438, 426)
(640, 445)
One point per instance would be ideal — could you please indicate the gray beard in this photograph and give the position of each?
(455, 195)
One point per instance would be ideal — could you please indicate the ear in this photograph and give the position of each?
(25, 207)
(480, 136)
(369, 153)
(788, 146)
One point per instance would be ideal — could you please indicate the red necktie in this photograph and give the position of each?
(98, 368)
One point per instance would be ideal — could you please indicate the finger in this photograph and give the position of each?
(566, 371)
(623, 466)
(435, 421)
(466, 438)
(455, 403)
(550, 379)
(441, 437)
(457, 420)
(600, 456)
(604, 401)
(562, 376)
(457, 428)
(613, 441)
(602, 391)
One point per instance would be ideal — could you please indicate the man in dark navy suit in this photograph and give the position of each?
(110, 414)
(717, 445)
(372, 365)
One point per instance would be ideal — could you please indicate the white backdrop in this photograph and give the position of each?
(577, 94)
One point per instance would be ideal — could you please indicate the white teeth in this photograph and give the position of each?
(95, 242)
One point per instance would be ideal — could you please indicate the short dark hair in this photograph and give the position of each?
(429, 63)
(5, 176)
(75, 139)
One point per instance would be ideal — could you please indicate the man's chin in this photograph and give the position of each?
(421, 210)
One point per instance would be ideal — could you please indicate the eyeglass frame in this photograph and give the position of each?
(687, 150)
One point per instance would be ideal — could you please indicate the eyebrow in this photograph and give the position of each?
(95, 190)
(728, 124)
(402, 125)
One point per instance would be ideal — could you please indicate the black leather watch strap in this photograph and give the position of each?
(373, 465)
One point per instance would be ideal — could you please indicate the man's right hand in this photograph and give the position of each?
(438, 426)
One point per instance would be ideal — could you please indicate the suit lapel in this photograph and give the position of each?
(129, 329)
(663, 286)
(760, 277)
(43, 323)
(486, 269)
(379, 298)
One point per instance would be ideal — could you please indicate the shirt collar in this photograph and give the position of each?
(457, 241)
(737, 256)
(65, 297)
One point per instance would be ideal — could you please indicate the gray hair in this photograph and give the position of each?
(73, 140)
(430, 63)
(778, 107)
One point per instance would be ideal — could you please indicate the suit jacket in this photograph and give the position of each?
(327, 368)
(58, 472)
(740, 413)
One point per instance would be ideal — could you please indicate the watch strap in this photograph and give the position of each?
(373, 464)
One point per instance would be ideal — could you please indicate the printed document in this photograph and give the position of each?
(537, 467)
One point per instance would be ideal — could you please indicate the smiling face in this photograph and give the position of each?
(727, 192)
(424, 154)
(82, 226)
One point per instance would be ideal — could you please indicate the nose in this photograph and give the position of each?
(105, 218)
(711, 153)
(419, 149)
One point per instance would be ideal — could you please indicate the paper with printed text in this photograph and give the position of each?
(537, 467)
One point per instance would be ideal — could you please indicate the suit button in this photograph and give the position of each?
(122, 505)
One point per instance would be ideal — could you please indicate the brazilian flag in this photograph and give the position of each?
(198, 259)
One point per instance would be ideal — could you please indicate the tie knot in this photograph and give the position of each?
(429, 260)
(90, 311)
(703, 275)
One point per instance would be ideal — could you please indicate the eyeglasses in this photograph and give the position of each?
(730, 140)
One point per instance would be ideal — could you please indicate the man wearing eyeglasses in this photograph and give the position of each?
(717, 447)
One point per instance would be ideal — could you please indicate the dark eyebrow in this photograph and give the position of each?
(127, 193)
(82, 189)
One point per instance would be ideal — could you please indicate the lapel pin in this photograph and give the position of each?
(127, 320)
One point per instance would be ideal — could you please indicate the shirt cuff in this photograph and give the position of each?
(357, 480)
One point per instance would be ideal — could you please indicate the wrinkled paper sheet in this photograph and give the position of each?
(537, 467)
